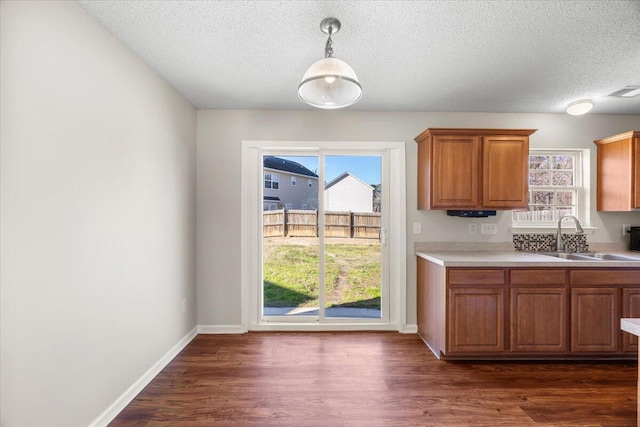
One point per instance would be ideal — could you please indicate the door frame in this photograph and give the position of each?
(250, 235)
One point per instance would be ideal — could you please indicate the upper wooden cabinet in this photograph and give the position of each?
(618, 173)
(473, 168)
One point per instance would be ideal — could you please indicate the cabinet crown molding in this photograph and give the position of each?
(618, 137)
(472, 131)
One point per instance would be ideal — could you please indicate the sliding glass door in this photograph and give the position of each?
(323, 238)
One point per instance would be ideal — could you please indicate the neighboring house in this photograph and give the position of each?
(348, 193)
(288, 184)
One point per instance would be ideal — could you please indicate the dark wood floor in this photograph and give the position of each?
(373, 379)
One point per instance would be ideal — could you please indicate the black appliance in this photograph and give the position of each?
(472, 214)
(634, 239)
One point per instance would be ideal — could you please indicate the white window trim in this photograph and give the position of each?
(396, 236)
(584, 194)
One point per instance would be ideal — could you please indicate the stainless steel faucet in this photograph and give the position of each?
(579, 230)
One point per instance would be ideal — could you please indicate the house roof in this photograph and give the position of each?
(277, 163)
(342, 176)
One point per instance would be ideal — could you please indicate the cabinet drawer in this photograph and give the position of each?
(537, 277)
(604, 277)
(476, 277)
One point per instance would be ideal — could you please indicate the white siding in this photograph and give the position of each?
(349, 194)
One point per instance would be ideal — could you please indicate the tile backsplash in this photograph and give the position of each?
(547, 242)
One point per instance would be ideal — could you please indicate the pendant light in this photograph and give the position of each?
(330, 83)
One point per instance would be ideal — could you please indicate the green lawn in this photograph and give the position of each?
(352, 274)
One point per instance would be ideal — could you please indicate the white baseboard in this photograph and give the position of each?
(409, 329)
(121, 402)
(314, 327)
(221, 329)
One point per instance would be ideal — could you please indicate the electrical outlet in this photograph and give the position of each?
(473, 228)
(489, 228)
(625, 229)
(417, 228)
(184, 306)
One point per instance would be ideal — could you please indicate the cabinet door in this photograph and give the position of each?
(630, 308)
(636, 172)
(594, 319)
(614, 180)
(505, 164)
(476, 320)
(538, 319)
(455, 173)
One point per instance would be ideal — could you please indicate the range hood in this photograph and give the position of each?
(472, 214)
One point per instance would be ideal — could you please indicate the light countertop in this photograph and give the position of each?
(630, 325)
(514, 259)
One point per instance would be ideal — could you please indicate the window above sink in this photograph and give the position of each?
(558, 185)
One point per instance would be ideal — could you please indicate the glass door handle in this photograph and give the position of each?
(382, 236)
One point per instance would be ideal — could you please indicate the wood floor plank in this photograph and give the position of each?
(354, 379)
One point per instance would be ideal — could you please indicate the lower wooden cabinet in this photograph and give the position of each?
(595, 321)
(600, 297)
(476, 320)
(493, 313)
(630, 308)
(538, 319)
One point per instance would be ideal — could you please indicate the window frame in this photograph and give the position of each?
(581, 188)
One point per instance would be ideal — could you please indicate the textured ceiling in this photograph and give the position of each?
(472, 56)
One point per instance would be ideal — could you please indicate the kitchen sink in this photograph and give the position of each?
(615, 257)
(590, 256)
(573, 256)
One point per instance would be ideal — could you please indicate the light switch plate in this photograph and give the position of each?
(417, 228)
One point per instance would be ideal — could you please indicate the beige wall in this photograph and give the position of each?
(220, 134)
(97, 192)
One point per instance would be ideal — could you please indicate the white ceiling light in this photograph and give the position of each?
(330, 83)
(579, 108)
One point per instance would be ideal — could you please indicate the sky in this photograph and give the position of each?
(365, 168)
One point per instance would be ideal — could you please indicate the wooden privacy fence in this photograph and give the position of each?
(304, 223)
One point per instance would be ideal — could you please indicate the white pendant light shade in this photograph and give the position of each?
(330, 83)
